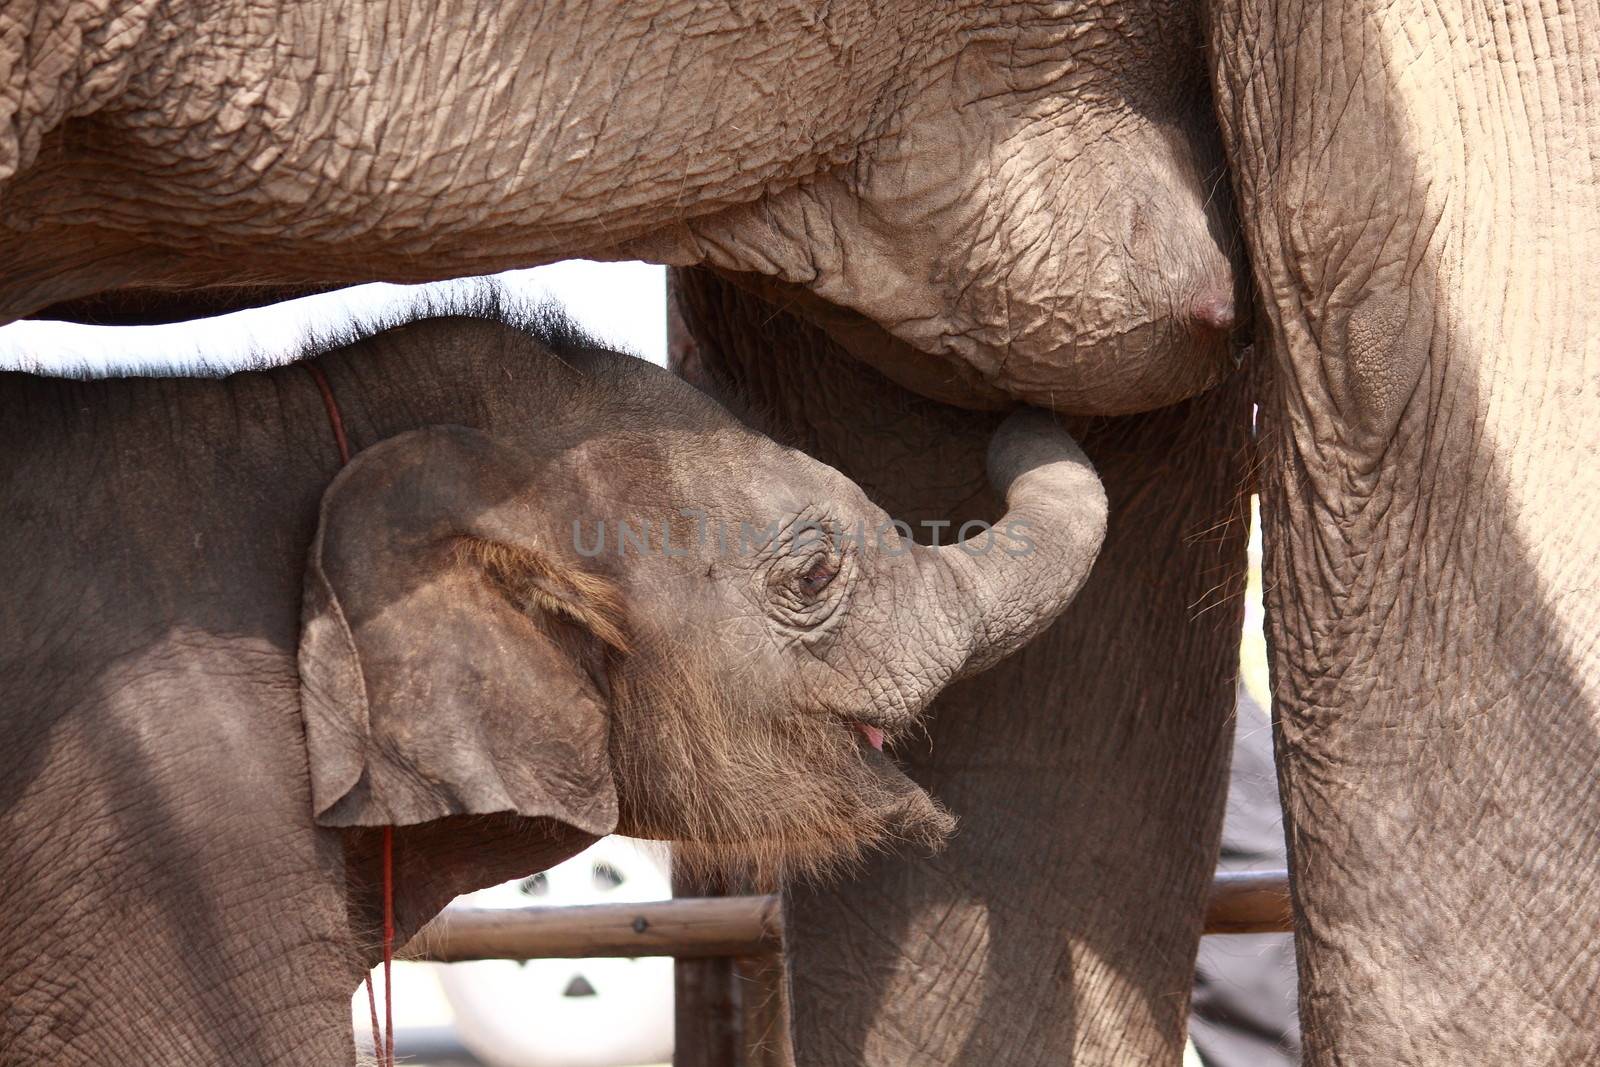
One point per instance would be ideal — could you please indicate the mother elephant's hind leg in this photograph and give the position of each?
(1088, 770)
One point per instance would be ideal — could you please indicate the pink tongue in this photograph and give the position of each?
(873, 735)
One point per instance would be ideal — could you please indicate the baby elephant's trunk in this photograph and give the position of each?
(1004, 587)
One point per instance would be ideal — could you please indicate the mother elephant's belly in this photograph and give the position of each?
(1150, 362)
(1037, 251)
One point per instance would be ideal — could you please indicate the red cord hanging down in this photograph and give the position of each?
(332, 407)
(387, 1059)
(382, 1040)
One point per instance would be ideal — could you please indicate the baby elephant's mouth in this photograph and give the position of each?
(873, 734)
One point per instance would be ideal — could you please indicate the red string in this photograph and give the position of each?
(388, 946)
(382, 1040)
(372, 1006)
(332, 406)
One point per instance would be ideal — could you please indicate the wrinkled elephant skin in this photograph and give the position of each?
(227, 659)
(1088, 771)
(1026, 200)
(1419, 189)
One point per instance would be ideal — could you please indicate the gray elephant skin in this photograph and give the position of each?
(982, 202)
(225, 661)
(1419, 189)
(1423, 218)
(989, 202)
(1088, 770)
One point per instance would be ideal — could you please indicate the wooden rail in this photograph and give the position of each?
(699, 927)
(1249, 902)
(688, 927)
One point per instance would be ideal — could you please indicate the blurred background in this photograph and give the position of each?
(618, 1012)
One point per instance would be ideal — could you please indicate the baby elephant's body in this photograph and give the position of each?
(555, 593)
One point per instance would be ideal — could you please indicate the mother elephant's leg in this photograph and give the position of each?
(1420, 194)
(1088, 770)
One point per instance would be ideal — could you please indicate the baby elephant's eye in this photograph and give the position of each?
(815, 578)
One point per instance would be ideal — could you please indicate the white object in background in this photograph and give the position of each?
(569, 1013)
(620, 304)
(420, 1007)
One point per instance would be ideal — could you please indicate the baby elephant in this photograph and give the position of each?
(554, 593)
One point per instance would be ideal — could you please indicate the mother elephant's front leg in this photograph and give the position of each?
(1419, 190)
(1087, 771)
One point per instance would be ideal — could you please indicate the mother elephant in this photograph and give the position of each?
(1420, 190)
(1421, 194)
(993, 202)
(1018, 194)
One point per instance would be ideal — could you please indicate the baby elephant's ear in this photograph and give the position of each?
(451, 658)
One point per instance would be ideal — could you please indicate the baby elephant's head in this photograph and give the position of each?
(642, 616)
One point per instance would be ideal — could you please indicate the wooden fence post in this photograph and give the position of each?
(708, 1016)
(764, 1000)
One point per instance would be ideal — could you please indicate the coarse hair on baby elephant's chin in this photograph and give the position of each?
(752, 796)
